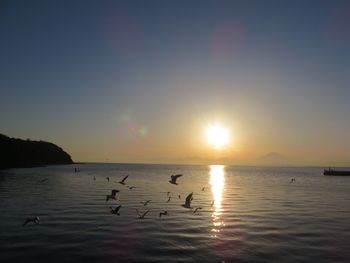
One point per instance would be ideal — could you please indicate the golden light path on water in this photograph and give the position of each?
(217, 182)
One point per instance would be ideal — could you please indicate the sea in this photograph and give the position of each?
(245, 214)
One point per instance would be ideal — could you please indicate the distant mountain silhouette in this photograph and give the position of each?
(16, 153)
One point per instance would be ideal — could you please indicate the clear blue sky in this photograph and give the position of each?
(136, 80)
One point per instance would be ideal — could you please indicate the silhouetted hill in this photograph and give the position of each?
(15, 153)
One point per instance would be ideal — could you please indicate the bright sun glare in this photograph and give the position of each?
(217, 136)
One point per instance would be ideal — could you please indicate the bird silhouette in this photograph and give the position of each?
(164, 213)
(123, 181)
(115, 211)
(113, 195)
(173, 178)
(34, 220)
(198, 208)
(188, 201)
(142, 216)
(145, 203)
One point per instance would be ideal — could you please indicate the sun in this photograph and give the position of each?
(218, 136)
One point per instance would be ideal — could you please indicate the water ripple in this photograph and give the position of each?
(248, 214)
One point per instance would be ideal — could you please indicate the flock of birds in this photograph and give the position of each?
(142, 215)
(114, 195)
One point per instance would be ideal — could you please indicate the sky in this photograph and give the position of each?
(140, 81)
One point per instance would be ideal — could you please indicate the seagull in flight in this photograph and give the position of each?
(143, 215)
(113, 195)
(198, 208)
(174, 178)
(146, 203)
(115, 211)
(164, 213)
(187, 203)
(123, 181)
(35, 220)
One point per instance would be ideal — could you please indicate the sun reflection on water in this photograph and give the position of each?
(217, 182)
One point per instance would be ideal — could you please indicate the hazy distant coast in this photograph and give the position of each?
(17, 153)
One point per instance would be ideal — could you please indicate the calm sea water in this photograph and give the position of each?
(258, 215)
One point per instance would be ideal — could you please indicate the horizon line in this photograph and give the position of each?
(232, 165)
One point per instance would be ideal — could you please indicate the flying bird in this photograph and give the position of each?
(173, 178)
(35, 220)
(187, 203)
(143, 215)
(115, 211)
(113, 195)
(198, 208)
(164, 213)
(145, 203)
(123, 181)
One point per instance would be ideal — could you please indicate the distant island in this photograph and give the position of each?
(17, 153)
